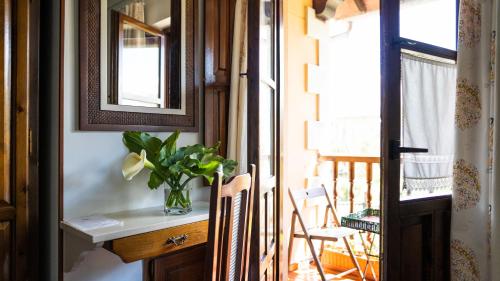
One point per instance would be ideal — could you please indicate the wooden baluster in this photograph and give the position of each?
(335, 181)
(352, 176)
(369, 172)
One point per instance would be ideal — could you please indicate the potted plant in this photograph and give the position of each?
(172, 167)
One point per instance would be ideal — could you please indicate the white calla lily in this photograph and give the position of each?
(134, 163)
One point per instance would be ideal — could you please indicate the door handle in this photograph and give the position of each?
(396, 149)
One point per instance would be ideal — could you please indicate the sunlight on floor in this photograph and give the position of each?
(311, 274)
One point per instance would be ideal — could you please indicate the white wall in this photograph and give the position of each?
(92, 177)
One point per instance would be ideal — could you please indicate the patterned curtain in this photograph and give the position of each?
(475, 240)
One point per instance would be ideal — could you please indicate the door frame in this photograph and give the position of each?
(253, 75)
(390, 114)
(392, 208)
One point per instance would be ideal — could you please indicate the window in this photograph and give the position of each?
(428, 35)
(432, 22)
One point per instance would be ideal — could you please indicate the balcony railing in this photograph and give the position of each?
(334, 257)
(352, 173)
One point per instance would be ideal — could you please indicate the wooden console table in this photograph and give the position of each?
(172, 247)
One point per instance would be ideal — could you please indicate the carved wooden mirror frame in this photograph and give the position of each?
(92, 118)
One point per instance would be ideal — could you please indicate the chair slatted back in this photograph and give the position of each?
(230, 228)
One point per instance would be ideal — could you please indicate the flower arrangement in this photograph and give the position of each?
(171, 166)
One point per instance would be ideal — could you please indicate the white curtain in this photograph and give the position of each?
(475, 237)
(428, 94)
(237, 133)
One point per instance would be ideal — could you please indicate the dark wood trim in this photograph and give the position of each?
(60, 142)
(423, 206)
(216, 107)
(390, 112)
(427, 49)
(253, 129)
(91, 115)
(174, 55)
(170, 102)
(217, 64)
(219, 15)
(263, 264)
(33, 142)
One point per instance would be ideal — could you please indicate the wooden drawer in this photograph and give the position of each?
(160, 242)
(184, 265)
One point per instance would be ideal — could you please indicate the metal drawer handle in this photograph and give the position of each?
(177, 240)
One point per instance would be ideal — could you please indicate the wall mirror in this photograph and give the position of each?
(138, 65)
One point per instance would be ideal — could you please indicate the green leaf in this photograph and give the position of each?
(174, 164)
(169, 146)
(175, 169)
(133, 142)
(155, 180)
(228, 167)
(210, 179)
(152, 144)
(178, 156)
(137, 141)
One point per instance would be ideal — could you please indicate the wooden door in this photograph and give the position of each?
(7, 210)
(264, 99)
(416, 231)
(18, 182)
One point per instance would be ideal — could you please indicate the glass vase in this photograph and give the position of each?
(177, 201)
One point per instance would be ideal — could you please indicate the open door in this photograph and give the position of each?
(264, 99)
(418, 64)
(18, 146)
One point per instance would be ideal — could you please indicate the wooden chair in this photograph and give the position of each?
(229, 231)
(324, 233)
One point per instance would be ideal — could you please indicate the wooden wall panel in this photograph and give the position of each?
(219, 17)
(5, 250)
(412, 265)
(216, 115)
(425, 239)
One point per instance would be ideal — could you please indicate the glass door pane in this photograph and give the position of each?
(267, 39)
(427, 121)
(267, 136)
(430, 21)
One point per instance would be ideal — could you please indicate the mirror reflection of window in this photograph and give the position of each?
(141, 72)
(140, 53)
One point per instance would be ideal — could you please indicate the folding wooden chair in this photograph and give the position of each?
(324, 233)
